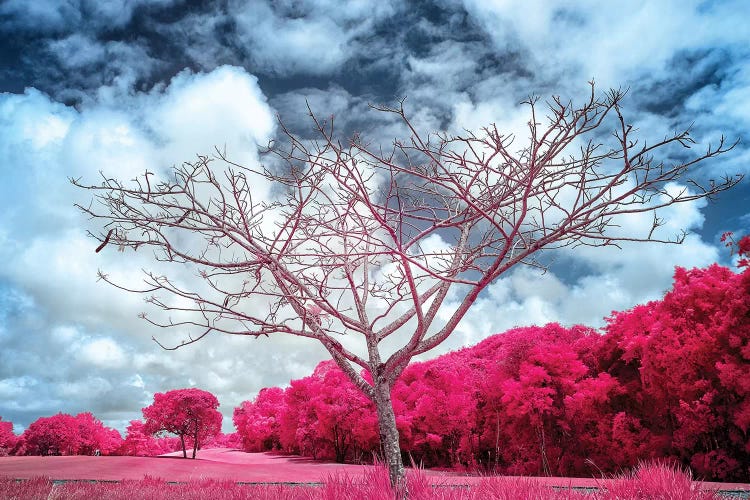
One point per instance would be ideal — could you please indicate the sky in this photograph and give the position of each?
(122, 86)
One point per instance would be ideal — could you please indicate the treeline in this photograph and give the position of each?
(665, 380)
(188, 415)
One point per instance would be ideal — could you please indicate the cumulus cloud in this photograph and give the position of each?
(48, 256)
(309, 37)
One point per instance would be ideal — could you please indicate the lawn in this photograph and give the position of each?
(216, 472)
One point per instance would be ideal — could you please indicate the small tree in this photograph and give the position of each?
(190, 413)
(365, 244)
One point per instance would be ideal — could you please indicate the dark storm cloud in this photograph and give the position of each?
(70, 50)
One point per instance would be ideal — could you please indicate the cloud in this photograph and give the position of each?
(68, 15)
(197, 112)
(70, 322)
(310, 37)
(583, 39)
(128, 86)
(42, 15)
(103, 353)
(109, 66)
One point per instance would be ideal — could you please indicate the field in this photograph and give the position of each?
(217, 472)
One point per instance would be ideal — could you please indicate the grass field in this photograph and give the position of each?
(229, 474)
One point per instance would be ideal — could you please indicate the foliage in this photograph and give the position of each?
(258, 422)
(139, 442)
(188, 413)
(8, 439)
(688, 357)
(667, 379)
(232, 441)
(64, 434)
(325, 416)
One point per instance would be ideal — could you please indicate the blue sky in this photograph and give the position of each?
(121, 86)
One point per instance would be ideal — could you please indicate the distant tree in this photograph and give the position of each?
(325, 416)
(368, 242)
(345, 423)
(8, 439)
(140, 443)
(231, 441)
(93, 436)
(188, 413)
(258, 422)
(64, 434)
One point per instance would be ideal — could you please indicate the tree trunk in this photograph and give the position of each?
(389, 434)
(182, 440)
(195, 444)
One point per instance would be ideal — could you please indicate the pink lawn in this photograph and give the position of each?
(236, 466)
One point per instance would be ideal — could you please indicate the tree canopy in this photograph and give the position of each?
(188, 413)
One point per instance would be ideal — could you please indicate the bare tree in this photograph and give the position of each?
(361, 246)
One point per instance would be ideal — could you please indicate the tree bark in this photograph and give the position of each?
(182, 440)
(389, 438)
(195, 444)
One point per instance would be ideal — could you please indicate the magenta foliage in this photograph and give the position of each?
(191, 414)
(64, 434)
(140, 443)
(258, 422)
(8, 439)
(325, 416)
(666, 380)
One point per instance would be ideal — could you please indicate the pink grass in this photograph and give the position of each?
(359, 483)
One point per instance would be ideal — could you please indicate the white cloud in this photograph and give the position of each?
(197, 112)
(313, 37)
(103, 353)
(585, 39)
(53, 261)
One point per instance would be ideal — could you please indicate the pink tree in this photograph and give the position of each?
(437, 401)
(345, 420)
(7, 438)
(188, 413)
(64, 434)
(93, 436)
(688, 356)
(55, 435)
(258, 422)
(365, 244)
(325, 416)
(139, 442)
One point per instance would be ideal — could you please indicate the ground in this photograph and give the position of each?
(233, 465)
